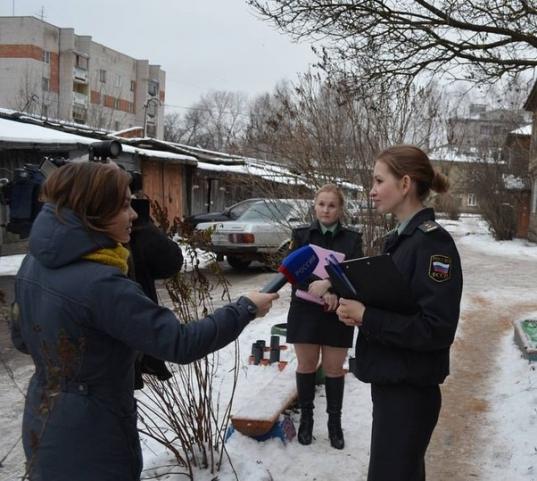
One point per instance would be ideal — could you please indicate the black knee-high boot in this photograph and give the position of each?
(334, 400)
(305, 384)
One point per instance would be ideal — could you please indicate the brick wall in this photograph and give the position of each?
(21, 51)
(110, 101)
(95, 97)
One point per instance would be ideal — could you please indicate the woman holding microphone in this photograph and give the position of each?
(406, 357)
(83, 321)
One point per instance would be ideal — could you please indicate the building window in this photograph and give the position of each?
(46, 56)
(116, 125)
(116, 103)
(486, 130)
(118, 81)
(102, 75)
(472, 200)
(81, 62)
(133, 85)
(44, 110)
(45, 84)
(151, 130)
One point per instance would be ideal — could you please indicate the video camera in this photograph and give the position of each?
(22, 193)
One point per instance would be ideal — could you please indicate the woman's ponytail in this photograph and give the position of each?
(440, 183)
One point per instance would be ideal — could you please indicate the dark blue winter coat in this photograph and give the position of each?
(82, 322)
(414, 349)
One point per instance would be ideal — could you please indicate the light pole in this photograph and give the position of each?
(146, 105)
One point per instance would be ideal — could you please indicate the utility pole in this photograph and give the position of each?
(13, 8)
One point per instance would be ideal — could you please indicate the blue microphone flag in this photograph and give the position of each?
(295, 268)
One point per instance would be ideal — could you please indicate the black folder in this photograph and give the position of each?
(377, 283)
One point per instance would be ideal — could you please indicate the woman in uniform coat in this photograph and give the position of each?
(83, 320)
(406, 357)
(314, 329)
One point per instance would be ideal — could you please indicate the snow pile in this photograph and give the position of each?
(513, 417)
(9, 265)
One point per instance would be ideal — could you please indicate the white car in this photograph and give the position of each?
(262, 232)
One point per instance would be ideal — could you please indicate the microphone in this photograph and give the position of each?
(295, 268)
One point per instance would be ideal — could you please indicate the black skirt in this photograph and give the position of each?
(308, 323)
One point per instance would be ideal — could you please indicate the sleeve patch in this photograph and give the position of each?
(440, 268)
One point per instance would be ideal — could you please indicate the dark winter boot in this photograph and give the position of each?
(305, 384)
(334, 400)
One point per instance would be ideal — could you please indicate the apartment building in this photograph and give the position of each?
(482, 128)
(51, 71)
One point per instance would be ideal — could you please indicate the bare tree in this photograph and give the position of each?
(498, 169)
(326, 134)
(216, 121)
(476, 39)
(30, 97)
(187, 129)
(186, 414)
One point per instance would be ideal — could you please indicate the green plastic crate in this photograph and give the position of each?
(526, 337)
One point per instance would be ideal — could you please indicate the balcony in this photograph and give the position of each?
(80, 114)
(80, 74)
(80, 99)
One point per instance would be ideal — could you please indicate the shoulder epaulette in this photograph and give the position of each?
(302, 226)
(429, 226)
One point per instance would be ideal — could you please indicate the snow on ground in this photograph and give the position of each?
(514, 417)
(513, 412)
(252, 459)
(9, 265)
(473, 230)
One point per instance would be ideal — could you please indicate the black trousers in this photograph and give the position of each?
(404, 418)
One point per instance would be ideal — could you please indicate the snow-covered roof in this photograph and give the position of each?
(454, 154)
(13, 131)
(63, 125)
(512, 182)
(267, 172)
(526, 130)
(17, 127)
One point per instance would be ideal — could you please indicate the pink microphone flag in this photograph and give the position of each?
(320, 271)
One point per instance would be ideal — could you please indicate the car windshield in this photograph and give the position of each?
(267, 211)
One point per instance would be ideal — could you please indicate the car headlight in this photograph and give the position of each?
(241, 238)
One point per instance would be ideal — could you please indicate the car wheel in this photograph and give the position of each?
(238, 263)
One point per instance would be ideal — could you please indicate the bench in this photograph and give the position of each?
(263, 395)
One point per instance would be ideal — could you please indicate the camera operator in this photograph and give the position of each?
(154, 256)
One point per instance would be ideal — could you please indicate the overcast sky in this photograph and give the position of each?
(201, 44)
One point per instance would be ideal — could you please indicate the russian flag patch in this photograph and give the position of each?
(440, 268)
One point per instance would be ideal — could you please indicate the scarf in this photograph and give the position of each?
(116, 256)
